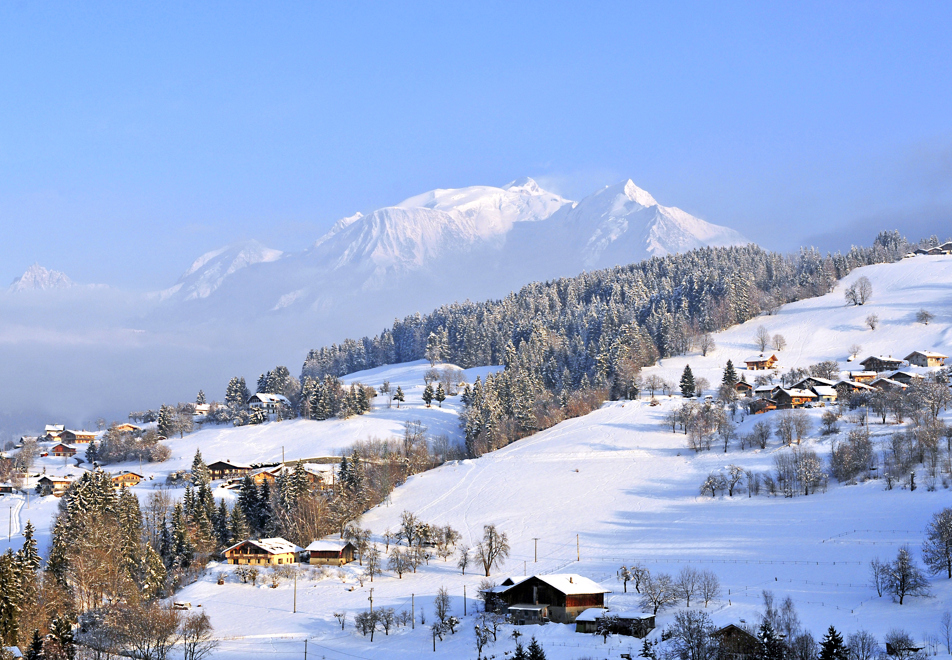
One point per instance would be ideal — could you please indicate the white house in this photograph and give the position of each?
(268, 402)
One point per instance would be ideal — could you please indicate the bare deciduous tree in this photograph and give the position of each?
(658, 592)
(706, 343)
(923, 316)
(762, 338)
(859, 292)
(687, 583)
(779, 342)
(710, 587)
(196, 633)
(494, 548)
(872, 321)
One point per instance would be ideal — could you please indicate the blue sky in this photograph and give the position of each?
(134, 136)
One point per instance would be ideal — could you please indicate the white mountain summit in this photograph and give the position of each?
(38, 278)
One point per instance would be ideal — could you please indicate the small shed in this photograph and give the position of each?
(635, 624)
(926, 359)
(335, 553)
(272, 551)
(6, 488)
(760, 362)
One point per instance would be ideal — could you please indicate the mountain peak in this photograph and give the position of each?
(38, 278)
(525, 184)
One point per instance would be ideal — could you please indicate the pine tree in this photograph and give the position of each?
(428, 395)
(200, 473)
(730, 375)
(35, 650)
(166, 421)
(535, 651)
(200, 399)
(221, 525)
(152, 574)
(29, 557)
(687, 382)
(61, 633)
(182, 549)
(832, 647)
(10, 596)
(520, 652)
(92, 453)
(440, 394)
(237, 394)
(771, 646)
(238, 527)
(398, 396)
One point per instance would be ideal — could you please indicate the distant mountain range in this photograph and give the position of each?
(244, 308)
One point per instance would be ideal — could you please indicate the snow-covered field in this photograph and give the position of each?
(615, 487)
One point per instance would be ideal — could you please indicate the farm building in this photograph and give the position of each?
(888, 384)
(262, 551)
(559, 597)
(879, 363)
(762, 405)
(744, 388)
(905, 377)
(926, 359)
(636, 624)
(335, 553)
(228, 469)
(737, 644)
(760, 363)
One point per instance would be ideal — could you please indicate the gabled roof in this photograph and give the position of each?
(795, 392)
(889, 381)
(267, 397)
(125, 473)
(824, 390)
(593, 614)
(55, 428)
(882, 358)
(234, 464)
(928, 354)
(567, 583)
(761, 358)
(815, 379)
(852, 383)
(328, 546)
(273, 546)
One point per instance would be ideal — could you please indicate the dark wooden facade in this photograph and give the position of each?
(562, 607)
(736, 643)
(227, 470)
(878, 363)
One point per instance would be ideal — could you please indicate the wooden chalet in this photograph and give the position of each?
(760, 363)
(635, 624)
(744, 388)
(263, 552)
(268, 402)
(810, 382)
(62, 450)
(853, 386)
(7, 488)
(793, 398)
(266, 474)
(560, 597)
(126, 480)
(735, 643)
(926, 359)
(77, 437)
(888, 385)
(334, 553)
(126, 428)
(905, 377)
(50, 485)
(879, 363)
(54, 429)
(862, 376)
(228, 469)
(761, 405)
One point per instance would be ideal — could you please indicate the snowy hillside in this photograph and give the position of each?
(244, 308)
(616, 487)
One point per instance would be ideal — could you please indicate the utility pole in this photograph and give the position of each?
(536, 554)
(524, 568)
(295, 607)
(413, 613)
(371, 599)
(282, 455)
(10, 523)
(464, 600)
(578, 551)
(305, 649)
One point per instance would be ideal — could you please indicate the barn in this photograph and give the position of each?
(560, 597)
(335, 553)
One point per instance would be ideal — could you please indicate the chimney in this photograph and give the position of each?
(570, 580)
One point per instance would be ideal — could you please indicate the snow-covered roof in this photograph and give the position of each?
(234, 464)
(881, 358)
(13, 651)
(824, 390)
(267, 397)
(928, 354)
(888, 381)
(815, 379)
(327, 546)
(571, 584)
(591, 615)
(801, 393)
(853, 383)
(760, 358)
(274, 546)
(55, 428)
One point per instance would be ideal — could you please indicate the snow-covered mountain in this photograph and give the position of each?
(38, 278)
(511, 235)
